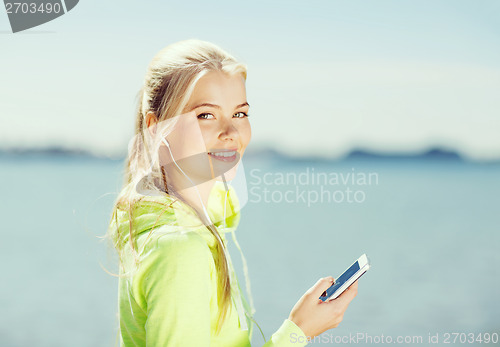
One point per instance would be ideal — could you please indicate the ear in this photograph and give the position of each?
(151, 121)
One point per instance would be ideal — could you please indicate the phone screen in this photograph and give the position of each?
(341, 280)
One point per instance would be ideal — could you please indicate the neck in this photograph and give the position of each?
(192, 194)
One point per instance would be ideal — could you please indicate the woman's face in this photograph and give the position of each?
(213, 132)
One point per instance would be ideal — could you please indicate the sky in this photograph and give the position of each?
(324, 77)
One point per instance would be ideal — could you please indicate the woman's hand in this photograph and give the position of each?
(313, 316)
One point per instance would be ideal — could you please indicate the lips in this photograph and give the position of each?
(224, 155)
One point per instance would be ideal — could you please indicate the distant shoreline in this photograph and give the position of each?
(434, 154)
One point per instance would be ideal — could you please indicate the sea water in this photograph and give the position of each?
(430, 228)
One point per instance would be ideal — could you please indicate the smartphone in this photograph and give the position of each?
(349, 276)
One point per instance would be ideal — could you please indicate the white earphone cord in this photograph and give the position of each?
(234, 240)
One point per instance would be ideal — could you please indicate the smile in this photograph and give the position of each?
(223, 155)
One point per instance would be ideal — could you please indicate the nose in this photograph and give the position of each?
(228, 131)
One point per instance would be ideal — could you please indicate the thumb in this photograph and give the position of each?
(322, 285)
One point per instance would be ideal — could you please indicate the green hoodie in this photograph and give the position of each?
(170, 298)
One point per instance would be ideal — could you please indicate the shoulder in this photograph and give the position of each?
(177, 245)
(175, 260)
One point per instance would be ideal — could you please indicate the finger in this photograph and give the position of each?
(353, 287)
(348, 295)
(321, 286)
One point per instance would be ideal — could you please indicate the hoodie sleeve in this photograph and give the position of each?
(175, 280)
(289, 334)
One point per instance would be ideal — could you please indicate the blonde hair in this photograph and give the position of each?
(169, 82)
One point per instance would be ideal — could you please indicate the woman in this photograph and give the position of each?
(177, 286)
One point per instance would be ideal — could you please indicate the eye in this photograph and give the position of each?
(240, 115)
(205, 116)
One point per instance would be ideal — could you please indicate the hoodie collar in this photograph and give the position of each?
(156, 210)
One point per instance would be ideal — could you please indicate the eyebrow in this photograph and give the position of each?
(216, 106)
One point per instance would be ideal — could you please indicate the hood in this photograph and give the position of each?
(154, 211)
(173, 215)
